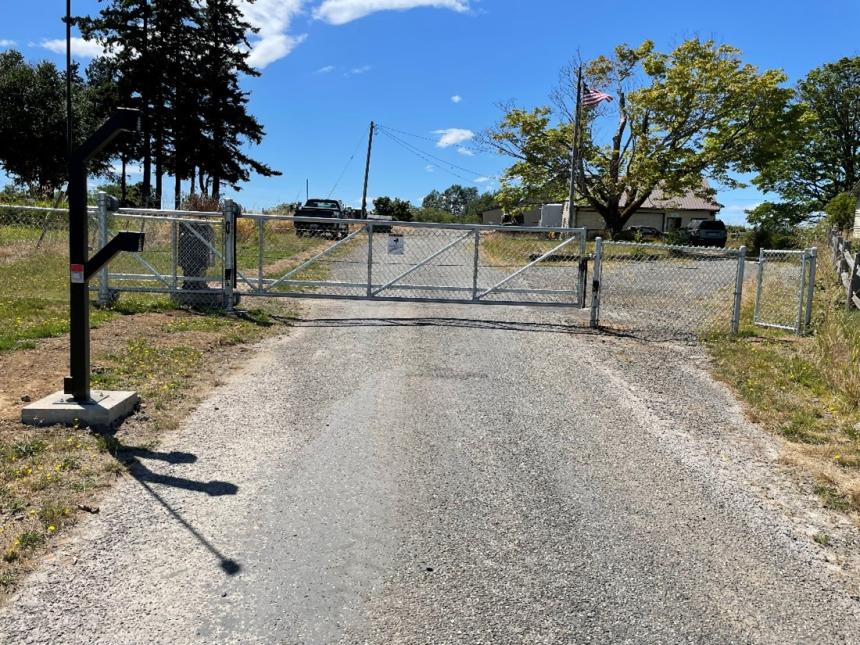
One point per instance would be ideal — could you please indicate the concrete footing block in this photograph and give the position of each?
(104, 410)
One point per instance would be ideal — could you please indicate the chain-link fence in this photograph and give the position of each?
(206, 258)
(784, 289)
(34, 273)
(183, 256)
(669, 291)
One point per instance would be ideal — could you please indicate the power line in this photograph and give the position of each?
(434, 141)
(421, 155)
(430, 157)
(349, 161)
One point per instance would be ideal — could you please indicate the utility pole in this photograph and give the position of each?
(574, 154)
(367, 170)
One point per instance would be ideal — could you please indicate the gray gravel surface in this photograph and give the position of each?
(396, 473)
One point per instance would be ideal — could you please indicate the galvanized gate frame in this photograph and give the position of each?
(372, 291)
(805, 289)
(107, 285)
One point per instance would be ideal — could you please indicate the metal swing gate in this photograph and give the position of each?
(410, 261)
(785, 288)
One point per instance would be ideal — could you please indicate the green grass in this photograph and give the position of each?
(157, 372)
(34, 299)
(280, 242)
(832, 498)
(806, 390)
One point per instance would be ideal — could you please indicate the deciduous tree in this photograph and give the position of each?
(33, 122)
(680, 117)
(822, 157)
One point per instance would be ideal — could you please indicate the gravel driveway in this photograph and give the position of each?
(399, 473)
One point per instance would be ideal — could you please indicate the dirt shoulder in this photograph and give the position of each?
(50, 477)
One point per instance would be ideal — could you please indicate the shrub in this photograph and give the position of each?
(203, 203)
(765, 237)
(840, 211)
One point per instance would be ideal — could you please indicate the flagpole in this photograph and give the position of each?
(574, 153)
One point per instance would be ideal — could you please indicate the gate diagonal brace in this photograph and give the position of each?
(309, 262)
(527, 267)
(423, 262)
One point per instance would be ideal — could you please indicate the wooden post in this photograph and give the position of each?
(853, 283)
(841, 262)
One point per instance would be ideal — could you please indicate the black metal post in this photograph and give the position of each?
(69, 119)
(77, 384)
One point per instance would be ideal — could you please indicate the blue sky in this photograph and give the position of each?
(329, 67)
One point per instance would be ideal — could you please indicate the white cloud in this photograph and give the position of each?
(466, 152)
(355, 71)
(456, 98)
(325, 70)
(453, 136)
(273, 19)
(430, 168)
(7, 43)
(80, 47)
(482, 180)
(340, 12)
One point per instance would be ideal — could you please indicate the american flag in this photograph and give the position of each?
(592, 97)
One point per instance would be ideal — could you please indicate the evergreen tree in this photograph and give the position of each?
(182, 60)
(228, 125)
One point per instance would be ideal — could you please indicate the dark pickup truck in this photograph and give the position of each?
(322, 208)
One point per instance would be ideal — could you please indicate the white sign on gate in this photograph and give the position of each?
(396, 244)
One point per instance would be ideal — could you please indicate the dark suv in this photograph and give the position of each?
(707, 233)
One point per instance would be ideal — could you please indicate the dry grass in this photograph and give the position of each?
(807, 390)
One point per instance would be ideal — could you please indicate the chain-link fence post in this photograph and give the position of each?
(475, 262)
(102, 214)
(801, 288)
(739, 289)
(595, 284)
(369, 259)
(174, 255)
(229, 211)
(810, 288)
(583, 271)
(261, 252)
(758, 286)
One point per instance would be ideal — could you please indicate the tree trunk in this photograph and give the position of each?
(193, 180)
(159, 165)
(177, 189)
(123, 188)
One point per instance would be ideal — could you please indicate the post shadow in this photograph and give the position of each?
(131, 456)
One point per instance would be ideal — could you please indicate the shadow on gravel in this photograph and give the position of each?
(465, 323)
(132, 456)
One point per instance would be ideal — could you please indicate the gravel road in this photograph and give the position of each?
(399, 473)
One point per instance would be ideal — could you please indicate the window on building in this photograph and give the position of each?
(673, 223)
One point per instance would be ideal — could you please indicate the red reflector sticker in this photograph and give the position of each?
(77, 273)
